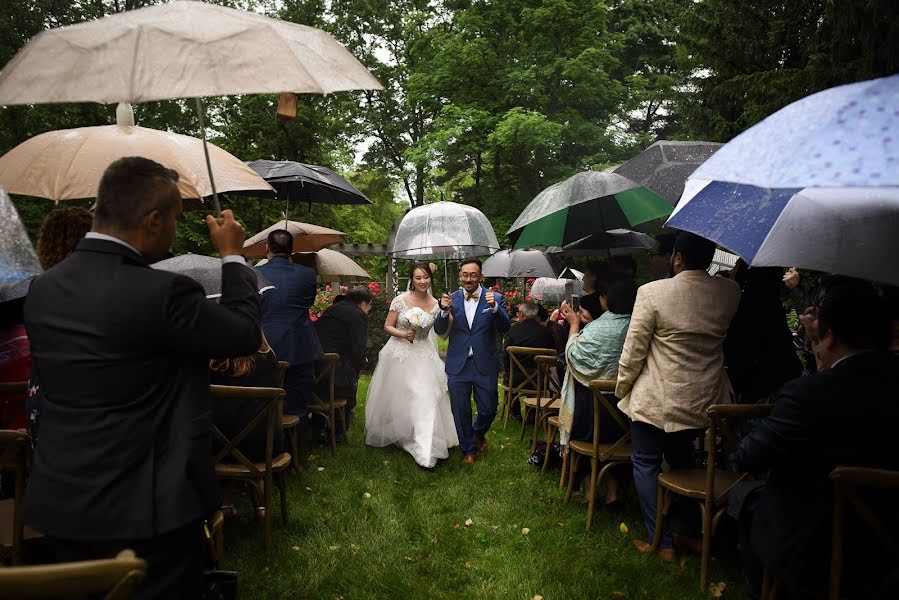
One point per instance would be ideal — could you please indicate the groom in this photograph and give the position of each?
(473, 316)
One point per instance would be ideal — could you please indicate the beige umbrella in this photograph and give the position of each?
(68, 164)
(306, 238)
(331, 265)
(179, 50)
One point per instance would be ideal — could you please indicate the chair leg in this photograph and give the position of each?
(331, 425)
(538, 420)
(282, 488)
(267, 501)
(660, 518)
(524, 423)
(504, 409)
(342, 414)
(572, 471)
(564, 467)
(550, 438)
(706, 509)
(591, 497)
(295, 447)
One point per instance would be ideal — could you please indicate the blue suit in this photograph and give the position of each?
(288, 328)
(472, 363)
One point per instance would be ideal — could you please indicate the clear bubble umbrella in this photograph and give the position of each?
(550, 289)
(444, 230)
(18, 260)
(207, 271)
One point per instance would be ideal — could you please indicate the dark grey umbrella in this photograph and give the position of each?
(521, 263)
(614, 241)
(299, 182)
(205, 270)
(665, 166)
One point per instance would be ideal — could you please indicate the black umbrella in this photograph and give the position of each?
(299, 182)
(205, 270)
(521, 263)
(614, 241)
(665, 166)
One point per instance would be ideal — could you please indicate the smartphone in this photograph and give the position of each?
(575, 302)
(569, 291)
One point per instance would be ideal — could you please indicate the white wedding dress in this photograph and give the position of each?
(408, 403)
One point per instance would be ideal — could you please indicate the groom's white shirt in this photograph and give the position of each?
(471, 309)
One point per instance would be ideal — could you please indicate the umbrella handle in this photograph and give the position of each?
(215, 198)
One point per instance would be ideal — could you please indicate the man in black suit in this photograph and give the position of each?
(285, 319)
(343, 329)
(846, 414)
(530, 334)
(125, 455)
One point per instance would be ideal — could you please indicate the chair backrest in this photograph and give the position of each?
(13, 456)
(325, 367)
(723, 419)
(268, 413)
(853, 489)
(282, 371)
(521, 379)
(117, 577)
(549, 389)
(601, 387)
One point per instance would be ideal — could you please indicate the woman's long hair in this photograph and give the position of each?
(241, 365)
(60, 232)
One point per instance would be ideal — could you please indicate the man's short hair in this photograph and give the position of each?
(358, 295)
(665, 243)
(131, 188)
(697, 252)
(528, 310)
(471, 261)
(856, 314)
(280, 241)
(621, 296)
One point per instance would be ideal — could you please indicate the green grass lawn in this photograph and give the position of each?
(369, 523)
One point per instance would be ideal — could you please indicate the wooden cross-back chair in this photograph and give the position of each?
(13, 455)
(609, 454)
(710, 486)
(522, 380)
(323, 402)
(546, 402)
(268, 415)
(853, 491)
(290, 423)
(114, 578)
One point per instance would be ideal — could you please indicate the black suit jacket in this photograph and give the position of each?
(530, 334)
(122, 353)
(343, 329)
(846, 415)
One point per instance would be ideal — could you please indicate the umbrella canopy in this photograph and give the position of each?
(570, 273)
(614, 241)
(444, 230)
(18, 260)
(178, 50)
(306, 238)
(331, 265)
(68, 164)
(520, 263)
(847, 136)
(550, 289)
(299, 182)
(587, 203)
(851, 231)
(665, 166)
(205, 270)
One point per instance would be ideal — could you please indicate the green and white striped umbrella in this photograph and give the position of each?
(588, 203)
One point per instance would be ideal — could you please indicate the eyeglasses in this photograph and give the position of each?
(470, 276)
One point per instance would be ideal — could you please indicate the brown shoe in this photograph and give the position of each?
(481, 444)
(469, 459)
(666, 554)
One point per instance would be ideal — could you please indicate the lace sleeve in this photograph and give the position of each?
(397, 304)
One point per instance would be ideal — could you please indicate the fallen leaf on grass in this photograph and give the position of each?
(409, 558)
(366, 495)
(525, 531)
(617, 594)
(622, 528)
(311, 457)
(434, 541)
(717, 589)
(537, 597)
(386, 462)
(308, 489)
(333, 547)
(561, 524)
(295, 548)
(469, 522)
(493, 529)
(321, 469)
(456, 526)
(468, 565)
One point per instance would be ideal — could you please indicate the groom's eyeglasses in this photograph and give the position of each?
(470, 276)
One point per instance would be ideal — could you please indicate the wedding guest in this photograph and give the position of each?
(60, 233)
(343, 329)
(672, 368)
(846, 414)
(560, 336)
(125, 458)
(594, 274)
(660, 256)
(593, 353)
(527, 333)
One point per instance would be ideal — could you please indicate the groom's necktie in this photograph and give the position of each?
(472, 296)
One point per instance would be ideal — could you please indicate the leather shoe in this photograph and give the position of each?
(469, 459)
(666, 554)
(481, 444)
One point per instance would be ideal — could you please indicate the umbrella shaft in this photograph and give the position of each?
(215, 198)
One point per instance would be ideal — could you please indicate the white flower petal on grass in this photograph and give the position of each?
(320, 469)
(366, 495)
(469, 522)
(525, 531)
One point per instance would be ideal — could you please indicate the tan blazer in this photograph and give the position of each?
(672, 365)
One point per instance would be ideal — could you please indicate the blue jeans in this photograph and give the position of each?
(486, 398)
(649, 445)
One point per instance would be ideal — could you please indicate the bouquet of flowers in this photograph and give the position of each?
(418, 318)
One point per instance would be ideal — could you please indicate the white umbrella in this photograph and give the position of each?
(68, 164)
(306, 238)
(179, 50)
(331, 265)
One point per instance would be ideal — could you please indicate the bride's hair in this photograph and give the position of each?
(416, 266)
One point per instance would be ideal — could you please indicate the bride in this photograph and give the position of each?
(408, 404)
